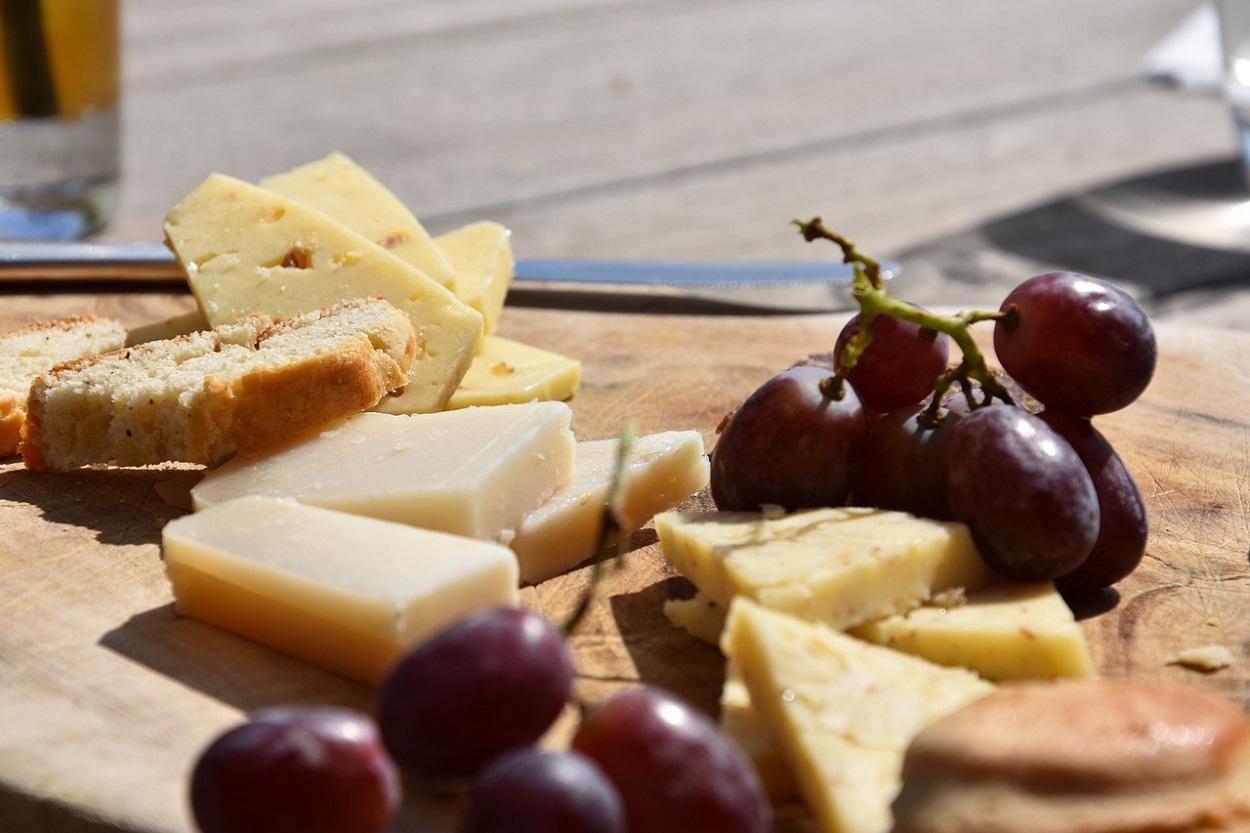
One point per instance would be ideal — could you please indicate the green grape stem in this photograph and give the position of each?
(874, 299)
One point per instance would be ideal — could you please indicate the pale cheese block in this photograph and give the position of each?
(481, 256)
(250, 250)
(339, 188)
(662, 471)
(346, 593)
(506, 371)
(742, 724)
(1006, 631)
(179, 325)
(842, 711)
(475, 472)
(842, 567)
(1003, 632)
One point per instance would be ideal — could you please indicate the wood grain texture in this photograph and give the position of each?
(107, 696)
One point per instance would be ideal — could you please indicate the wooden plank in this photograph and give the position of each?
(108, 696)
(553, 103)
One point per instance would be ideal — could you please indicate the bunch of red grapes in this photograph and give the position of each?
(1045, 496)
(467, 707)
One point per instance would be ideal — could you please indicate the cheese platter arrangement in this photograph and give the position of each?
(342, 542)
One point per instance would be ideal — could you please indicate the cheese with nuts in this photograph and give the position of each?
(341, 189)
(247, 249)
(481, 256)
(347, 593)
(506, 371)
(476, 472)
(662, 471)
(842, 567)
(841, 710)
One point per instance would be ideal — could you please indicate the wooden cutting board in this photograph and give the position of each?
(106, 696)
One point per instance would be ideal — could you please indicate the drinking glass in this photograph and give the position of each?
(58, 117)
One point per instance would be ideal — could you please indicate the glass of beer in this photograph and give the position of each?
(59, 141)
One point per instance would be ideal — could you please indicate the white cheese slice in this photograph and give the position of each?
(663, 470)
(340, 591)
(475, 472)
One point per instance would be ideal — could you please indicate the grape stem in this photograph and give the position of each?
(874, 299)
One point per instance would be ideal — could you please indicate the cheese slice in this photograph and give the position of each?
(179, 325)
(349, 594)
(506, 371)
(341, 189)
(247, 249)
(842, 711)
(1006, 631)
(741, 722)
(481, 256)
(475, 472)
(663, 470)
(842, 567)
(1003, 632)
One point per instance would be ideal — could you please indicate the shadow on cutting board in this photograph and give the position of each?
(226, 667)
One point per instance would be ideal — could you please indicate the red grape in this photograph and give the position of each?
(296, 771)
(903, 465)
(1077, 344)
(1023, 492)
(544, 792)
(676, 772)
(789, 444)
(1123, 528)
(490, 682)
(900, 365)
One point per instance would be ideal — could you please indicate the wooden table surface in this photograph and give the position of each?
(952, 133)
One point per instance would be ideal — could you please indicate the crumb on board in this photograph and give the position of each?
(1206, 658)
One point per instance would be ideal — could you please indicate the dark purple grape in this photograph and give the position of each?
(489, 683)
(903, 465)
(788, 444)
(1077, 344)
(1122, 531)
(899, 367)
(544, 792)
(1023, 492)
(296, 771)
(675, 771)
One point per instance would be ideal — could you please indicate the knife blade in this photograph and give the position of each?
(149, 262)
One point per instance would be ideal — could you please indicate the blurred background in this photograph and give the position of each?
(977, 141)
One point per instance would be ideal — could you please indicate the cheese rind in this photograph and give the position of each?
(842, 567)
(1003, 632)
(340, 591)
(481, 256)
(662, 471)
(506, 371)
(475, 472)
(247, 250)
(339, 188)
(843, 711)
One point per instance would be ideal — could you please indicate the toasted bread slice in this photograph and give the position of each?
(27, 352)
(202, 397)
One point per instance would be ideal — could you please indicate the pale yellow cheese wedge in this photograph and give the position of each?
(1003, 632)
(663, 470)
(475, 472)
(347, 593)
(247, 249)
(842, 567)
(339, 188)
(506, 371)
(179, 325)
(481, 256)
(842, 711)
(741, 722)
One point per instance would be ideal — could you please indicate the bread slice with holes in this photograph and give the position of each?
(202, 397)
(27, 352)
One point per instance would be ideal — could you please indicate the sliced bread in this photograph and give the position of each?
(27, 352)
(202, 397)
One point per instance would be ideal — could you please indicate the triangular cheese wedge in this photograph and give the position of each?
(842, 567)
(842, 711)
(506, 372)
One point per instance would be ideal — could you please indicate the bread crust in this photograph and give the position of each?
(12, 415)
